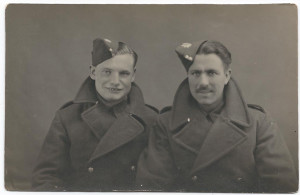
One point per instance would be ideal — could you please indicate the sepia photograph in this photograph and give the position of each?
(151, 98)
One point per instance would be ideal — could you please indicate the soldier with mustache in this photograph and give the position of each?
(211, 140)
(95, 140)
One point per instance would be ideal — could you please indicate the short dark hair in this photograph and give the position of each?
(215, 47)
(124, 49)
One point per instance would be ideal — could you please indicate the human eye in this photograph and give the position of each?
(106, 72)
(195, 73)
(124, 73)
(211, 73)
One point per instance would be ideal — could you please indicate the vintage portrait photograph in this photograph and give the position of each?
(151, 98)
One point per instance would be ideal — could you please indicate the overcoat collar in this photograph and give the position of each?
(124, 129)
(224, 135)
(184, 105)
(87, 92)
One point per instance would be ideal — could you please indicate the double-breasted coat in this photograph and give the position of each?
(242, 151)
(87, 149)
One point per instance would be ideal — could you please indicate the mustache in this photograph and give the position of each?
(203, 90)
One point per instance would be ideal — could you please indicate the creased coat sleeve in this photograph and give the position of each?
(156, 170)
(53, 160)
(273, 160)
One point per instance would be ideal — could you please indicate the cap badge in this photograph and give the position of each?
(107, 40)
(188, 57)
(186, 45)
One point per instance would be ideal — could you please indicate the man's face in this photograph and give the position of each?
(207, 79)
(113, 77)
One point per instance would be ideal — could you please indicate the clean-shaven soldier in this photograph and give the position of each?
(95, 140)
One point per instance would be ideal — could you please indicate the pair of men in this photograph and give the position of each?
(210, 140)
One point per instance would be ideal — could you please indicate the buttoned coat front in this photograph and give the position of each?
(78, 156)
(242, 151)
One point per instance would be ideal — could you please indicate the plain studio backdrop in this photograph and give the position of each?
(48, 53)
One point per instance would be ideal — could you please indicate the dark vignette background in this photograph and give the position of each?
(48, 52)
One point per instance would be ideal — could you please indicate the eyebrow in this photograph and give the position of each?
(204, 70)
(121, 70)
(211, 70)
(107, 68)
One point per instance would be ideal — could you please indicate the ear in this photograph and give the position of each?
(227, 75)
(133, 75)
(92, 72)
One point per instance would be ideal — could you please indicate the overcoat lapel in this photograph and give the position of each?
(123, 130)
(221, 139)
(180, 123)
(94, 118)
(223, 136)
(190, 128)
(93, 115)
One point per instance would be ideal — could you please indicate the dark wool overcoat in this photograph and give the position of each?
(242, 151)
(78, 154)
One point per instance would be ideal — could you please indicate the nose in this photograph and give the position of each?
(115, 80)
(203, 81)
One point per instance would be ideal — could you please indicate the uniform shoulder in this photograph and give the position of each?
(165, 109)
(152, 108)
(256, 107)
(66, 105)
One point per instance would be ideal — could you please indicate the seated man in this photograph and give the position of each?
(95, 140)
(210, 140)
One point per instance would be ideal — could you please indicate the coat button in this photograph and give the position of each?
(240, 179)
(132, 168)
(91, 169)
(194, 178)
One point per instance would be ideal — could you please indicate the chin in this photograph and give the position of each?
(204, 102)
(116, 98)
(113, 99)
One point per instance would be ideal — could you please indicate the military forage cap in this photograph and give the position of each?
(104, 49)
(187, 52)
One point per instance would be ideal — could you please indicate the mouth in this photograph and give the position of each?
(114, 90)
(204, 91)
